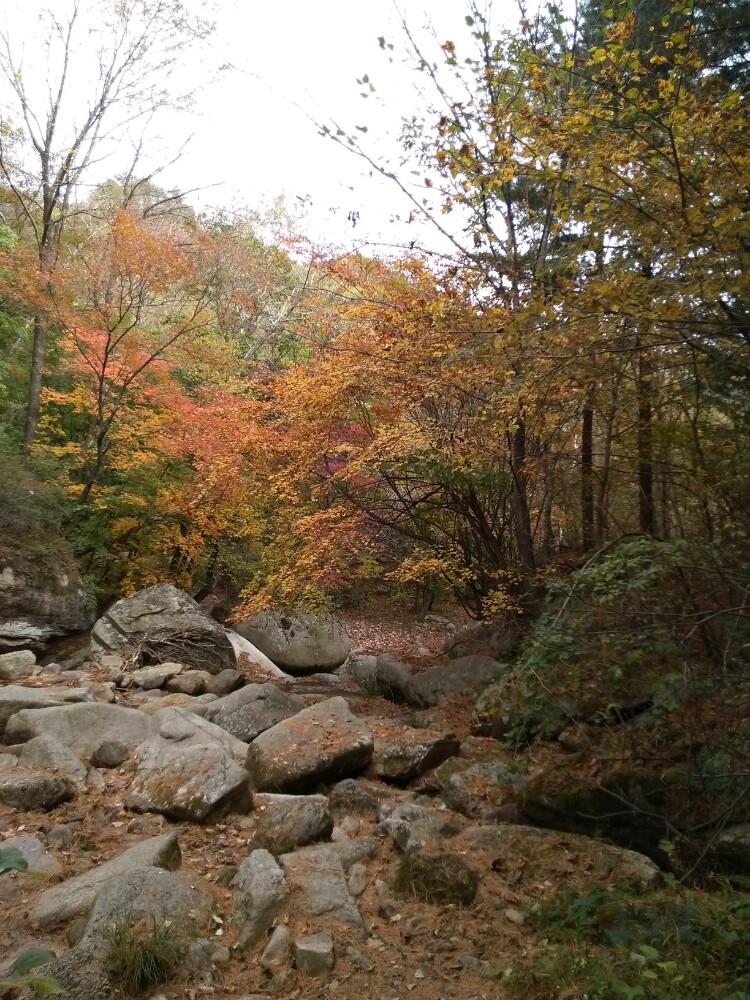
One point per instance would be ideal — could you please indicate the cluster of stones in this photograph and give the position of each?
(309, 778)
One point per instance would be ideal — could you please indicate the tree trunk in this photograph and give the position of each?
(645, 443)
(33, 406)
(587, 473)
(521, 515)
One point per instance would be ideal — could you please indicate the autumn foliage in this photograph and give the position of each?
(299, 423)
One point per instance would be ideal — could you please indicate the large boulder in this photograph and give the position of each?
(300, 643)
(163, 625)
(380, 675)
(285, 822)
(318, 881)
(15, 698)
(260, 891)
(322, 743)
(188, 782)
(81, 728)
(463, 676)
(42, 597)
(23, 788)
(60, 904)
(253, 709)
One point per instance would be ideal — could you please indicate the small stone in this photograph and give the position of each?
(357, 882)
(111, 753)
(224, 682)
(419, 974)
(60, 836)
(469, 961)
(388, 909)
(137, 825)
(277, 950)
(314, 954)
(515, 916)
(358, 960)
(203, 953)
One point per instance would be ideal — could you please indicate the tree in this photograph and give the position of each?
(66, 131)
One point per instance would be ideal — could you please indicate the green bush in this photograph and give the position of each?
(610, 944)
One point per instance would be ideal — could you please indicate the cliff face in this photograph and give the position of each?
(42, 597)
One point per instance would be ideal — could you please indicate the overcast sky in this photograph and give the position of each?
(288, 63)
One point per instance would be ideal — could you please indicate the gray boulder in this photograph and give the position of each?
(317, 877)
(465, 675)
(401, 761)
(81, 728)
(486, 790)
(381, 676)
(146, 892)
(149, 678)
(163, 625)
(188, 782)
(313, 954)
(17, 666)
(322, 743)
(15, 698)
(260, 891)
(57, 906)
(253, 709)
(38, 858)
(181, 726)
(23, 788)
(284, 822)
(301, 643)
(49, 754)
(41, 597)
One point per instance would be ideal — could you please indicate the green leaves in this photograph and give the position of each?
(30, 959)
(11, 859)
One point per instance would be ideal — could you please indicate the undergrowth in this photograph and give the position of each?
(142, 955)
(626, 944)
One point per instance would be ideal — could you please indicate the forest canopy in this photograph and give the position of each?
(296, 424)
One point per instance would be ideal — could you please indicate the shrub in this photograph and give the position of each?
(142, 954)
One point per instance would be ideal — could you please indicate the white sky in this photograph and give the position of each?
(252, 135)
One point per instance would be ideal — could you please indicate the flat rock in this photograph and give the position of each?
(300, 643)
(55, 907)
(39, 859)
(164, 625)
(81, 728)
(249, 656)
(284, 822)
(188, 781)
(322, 743)
(318, 880)
(15, 698)
(260, 891)
(253, 709)
(191, 703)
(466, 675)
